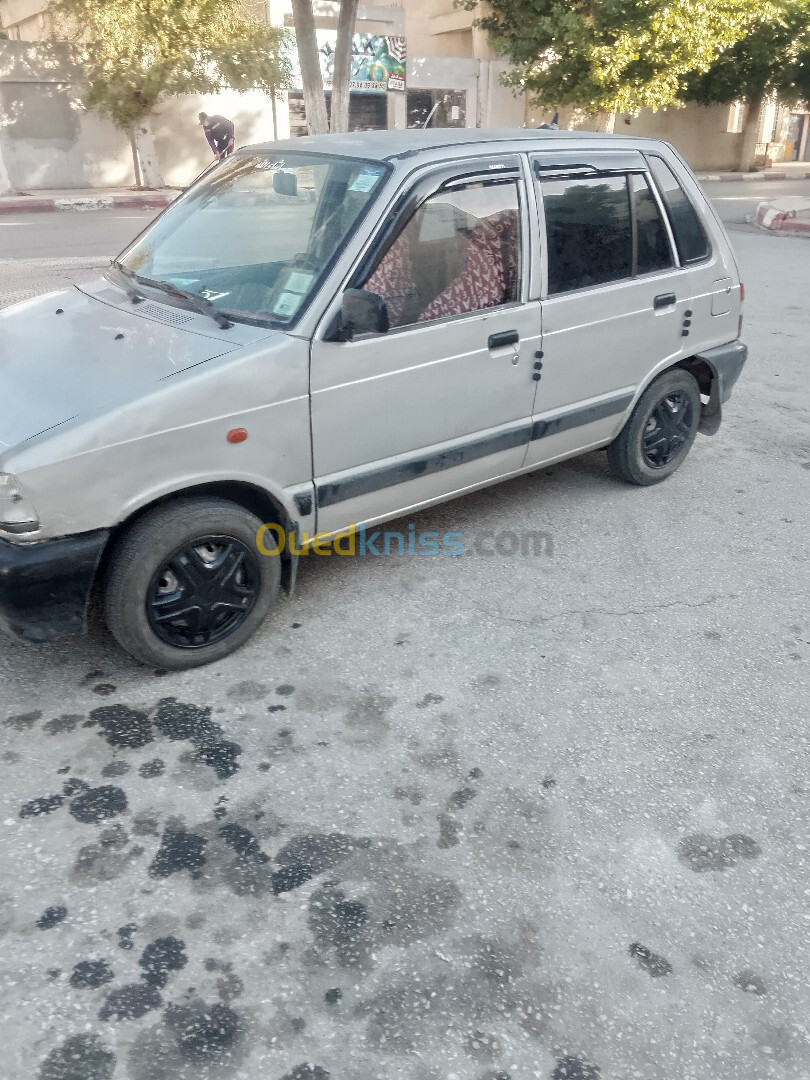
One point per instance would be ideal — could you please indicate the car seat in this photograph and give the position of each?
(483, 281)
(393, 278)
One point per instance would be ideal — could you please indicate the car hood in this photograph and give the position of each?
(66, 353)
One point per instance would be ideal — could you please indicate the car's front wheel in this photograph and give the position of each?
(660, 430)
(187, 584)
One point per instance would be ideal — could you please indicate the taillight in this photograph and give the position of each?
(739, 321)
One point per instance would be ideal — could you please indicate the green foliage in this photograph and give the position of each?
(774, 56)
(134, 52)
(603, 55)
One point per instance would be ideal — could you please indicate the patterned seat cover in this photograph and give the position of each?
(393, 278)
(484, 282)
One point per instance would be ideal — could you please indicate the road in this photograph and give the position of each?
(532, 817)
(59, 248)
(105, 232)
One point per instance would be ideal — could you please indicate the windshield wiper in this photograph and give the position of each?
(194, 300)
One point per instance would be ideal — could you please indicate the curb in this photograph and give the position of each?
(145, 201)
(785, 221)
(765, 174)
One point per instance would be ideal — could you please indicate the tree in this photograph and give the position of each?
(133, 53)
(774, 58)
(310, 64)
(609, 55)
(343, 65)
(309, 61)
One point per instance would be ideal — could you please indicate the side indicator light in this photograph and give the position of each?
(237, 435)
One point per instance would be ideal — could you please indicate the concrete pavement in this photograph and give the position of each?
(789, 170)
(86, 199)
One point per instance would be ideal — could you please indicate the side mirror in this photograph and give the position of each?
(285, 183)
(363, 313)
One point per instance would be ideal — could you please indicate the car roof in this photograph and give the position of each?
(388, 145)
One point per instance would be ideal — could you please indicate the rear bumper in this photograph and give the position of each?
(45, 587)
(726, 361)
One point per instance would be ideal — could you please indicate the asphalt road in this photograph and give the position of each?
(737, 202)
(104, 233)
(448, 818)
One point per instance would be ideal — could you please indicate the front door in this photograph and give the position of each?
(615, 301)
(441, 402)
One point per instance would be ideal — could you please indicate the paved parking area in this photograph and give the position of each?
(450, 818)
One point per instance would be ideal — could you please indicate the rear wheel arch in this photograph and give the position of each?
(709, 385)
(627, 454)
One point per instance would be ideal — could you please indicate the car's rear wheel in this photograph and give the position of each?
(187, 584)
(660, 430)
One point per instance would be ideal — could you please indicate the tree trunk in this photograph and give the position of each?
(343, 65)
(606, 122)
(144, 157)
(750, 131)
(314, 99)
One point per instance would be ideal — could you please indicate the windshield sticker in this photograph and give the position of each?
(366, 180)
(298, 281)
(287, 305)
(269, 166)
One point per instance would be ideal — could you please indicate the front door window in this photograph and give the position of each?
(458, 253)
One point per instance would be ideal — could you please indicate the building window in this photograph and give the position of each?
(367, 112)
(437, 108)
(736, 115)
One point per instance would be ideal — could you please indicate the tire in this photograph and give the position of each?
(660, 430)
(160, 604)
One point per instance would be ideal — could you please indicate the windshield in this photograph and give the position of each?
(256, 238)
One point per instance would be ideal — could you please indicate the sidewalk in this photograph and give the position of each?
(790, 214)
(87, 199)
(785, 170)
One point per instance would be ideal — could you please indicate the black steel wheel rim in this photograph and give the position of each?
(203, 591)
(667, 429)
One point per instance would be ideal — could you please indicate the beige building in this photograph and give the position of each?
(451, 78)
(23, 20)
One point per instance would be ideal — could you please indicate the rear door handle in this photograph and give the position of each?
(506, 337)
(664, 299)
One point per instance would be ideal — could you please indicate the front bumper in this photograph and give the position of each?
(45, 587)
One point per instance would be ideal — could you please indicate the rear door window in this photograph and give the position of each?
(690, 237)
(588, 231)
(653, 251)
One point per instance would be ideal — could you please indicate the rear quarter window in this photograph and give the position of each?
(690, 236)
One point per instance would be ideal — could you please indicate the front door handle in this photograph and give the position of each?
(664, 299)
(506, 337)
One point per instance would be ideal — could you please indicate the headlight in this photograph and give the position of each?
(17, 515)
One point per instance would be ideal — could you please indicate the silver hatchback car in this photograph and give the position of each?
(330, 332)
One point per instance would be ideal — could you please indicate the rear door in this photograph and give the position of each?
(442, 401)
(615, 301)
